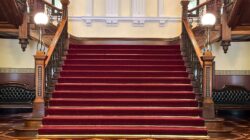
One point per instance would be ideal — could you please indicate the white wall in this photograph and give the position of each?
(125, 29)
(12, 56)
(237, 57)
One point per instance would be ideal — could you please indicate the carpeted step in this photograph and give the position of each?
(124, 56)
(135, 130)
(118, 87)
(180, 80)
(121, 73)
(123, 94)
(124, 61)
(119, 46)
(123, 102)
(124, 51)
(125, 67)
(123, 90)
(124, 120)
(114, 110)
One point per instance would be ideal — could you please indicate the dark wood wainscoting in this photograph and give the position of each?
(240, 80)
(23, 78)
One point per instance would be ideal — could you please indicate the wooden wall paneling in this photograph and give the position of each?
(240, 80)
(24, 78)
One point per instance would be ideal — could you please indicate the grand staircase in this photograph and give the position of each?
(123, 90)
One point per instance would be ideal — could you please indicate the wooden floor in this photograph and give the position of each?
(238, 121)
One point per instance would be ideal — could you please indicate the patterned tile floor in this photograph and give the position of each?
(240, 124)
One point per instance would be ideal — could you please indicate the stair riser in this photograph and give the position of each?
(168, 57)
(90, 121)
(147, 112)
(124, 87)
(115, 95)
(176, 47)
(122, 62)
(120, 132)
(126, 67)
(124, 74)
(130, 51)
(127, 103)
(107, 80)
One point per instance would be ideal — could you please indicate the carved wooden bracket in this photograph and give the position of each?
(225, 45)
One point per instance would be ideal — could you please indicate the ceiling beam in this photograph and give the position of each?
(8, 30)
(241, 32)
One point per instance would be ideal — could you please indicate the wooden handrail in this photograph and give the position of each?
(199, 6)
(194, 41)
(55, 40)
(51, 5)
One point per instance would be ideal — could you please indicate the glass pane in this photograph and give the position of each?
(57, 3)
(192, 4)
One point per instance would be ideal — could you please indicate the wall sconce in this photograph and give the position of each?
(208, 20)
(41, 19)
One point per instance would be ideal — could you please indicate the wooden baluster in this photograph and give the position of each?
(208, 104)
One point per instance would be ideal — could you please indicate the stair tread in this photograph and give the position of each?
(123, 108)
(130, 54)
(124, 65)
(123, 117)
(127, 71)
(83, 77)
(162, 49)
(125, 84)
(132, 102)
(141, 127)
(124, 45)
(118, 130)
(116, 120)
(120, 99)
(154, 60)
(122, 92)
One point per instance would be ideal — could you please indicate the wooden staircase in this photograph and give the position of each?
(123, 90)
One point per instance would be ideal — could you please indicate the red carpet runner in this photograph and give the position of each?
(123, 90)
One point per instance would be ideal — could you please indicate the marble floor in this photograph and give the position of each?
(237, 121)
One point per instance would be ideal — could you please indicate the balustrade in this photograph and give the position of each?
(199, 61)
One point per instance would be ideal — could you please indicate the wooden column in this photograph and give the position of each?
(226, 34)
(39, 104)
(208, 104)
(184, 4)
(65, 4)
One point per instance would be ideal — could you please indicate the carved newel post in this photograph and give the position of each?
(208, 104)
(39, 104)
